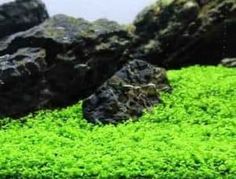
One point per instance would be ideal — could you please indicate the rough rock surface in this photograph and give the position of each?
(229, 62)
(126, 94)
(21, 15)
(175, 33)
(68, 58)
(19, 80)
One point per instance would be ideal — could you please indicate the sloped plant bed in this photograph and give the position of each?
(190, 135)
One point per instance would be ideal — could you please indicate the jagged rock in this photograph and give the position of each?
(126, 94)
(176, 33)
(79, 57)
(21, 15)
(229, 62)
(20, 76)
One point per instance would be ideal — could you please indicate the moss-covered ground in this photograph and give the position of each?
(191, 135)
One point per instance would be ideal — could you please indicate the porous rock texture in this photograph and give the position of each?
(125, 95)
(19, 81)
(177, 33)
(58, 63)
(21, 15)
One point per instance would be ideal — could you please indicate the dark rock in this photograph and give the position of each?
(19, 80)
(80, 56)
(178, 33)
(229, 62)
(21, 15)
(134, 88)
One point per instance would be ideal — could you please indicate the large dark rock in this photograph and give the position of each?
(68, 58)
(135, 87)
(21, 15)
(177, 33)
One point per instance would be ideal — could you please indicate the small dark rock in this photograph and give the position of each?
(135, 87)
(21, 15)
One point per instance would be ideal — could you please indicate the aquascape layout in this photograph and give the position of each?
(152, 99)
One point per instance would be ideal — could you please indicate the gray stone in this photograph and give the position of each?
(125, 95)
(229, 62)
(178, 33)
(20, 78)
(21, 15)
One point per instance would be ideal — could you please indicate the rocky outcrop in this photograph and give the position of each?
(177, 33)
(58, 63)
(21, 15)
(229, 62)
(125, 95)
(64, 59)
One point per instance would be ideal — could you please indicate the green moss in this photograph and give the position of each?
(165, 2)
(191, 135)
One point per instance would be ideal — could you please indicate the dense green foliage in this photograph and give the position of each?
(191, 135)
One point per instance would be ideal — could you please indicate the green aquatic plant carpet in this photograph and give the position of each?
(192, 134)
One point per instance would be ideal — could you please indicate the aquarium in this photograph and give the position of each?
(117, 89)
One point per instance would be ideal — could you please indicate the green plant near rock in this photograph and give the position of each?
(190, 135)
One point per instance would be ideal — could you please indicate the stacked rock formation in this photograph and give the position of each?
(54, 62)
(58, 62)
